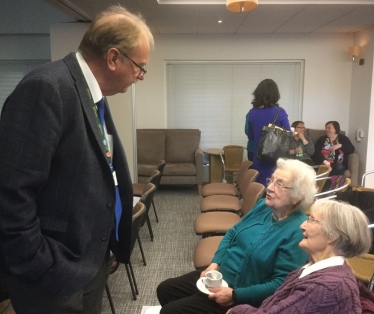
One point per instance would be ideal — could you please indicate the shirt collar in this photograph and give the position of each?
(92, 83)
(328, 262)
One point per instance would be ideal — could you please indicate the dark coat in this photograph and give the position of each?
(57, 194)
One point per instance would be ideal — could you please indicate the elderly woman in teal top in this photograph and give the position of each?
(257, 254)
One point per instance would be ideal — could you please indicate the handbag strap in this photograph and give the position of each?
(275, 116)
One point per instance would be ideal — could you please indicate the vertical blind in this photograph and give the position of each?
(11, 73)
(215, 97)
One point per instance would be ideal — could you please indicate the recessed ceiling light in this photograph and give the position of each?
(219, 21)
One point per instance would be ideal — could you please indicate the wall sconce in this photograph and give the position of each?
(354, 52)
(241, 5)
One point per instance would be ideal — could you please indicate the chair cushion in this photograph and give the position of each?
(181, 145)
(205, 250)
(179, 169)
(219, 189)
(150, 145)
(220, 202)
(215, 222)
(138, 188)
(146, 169)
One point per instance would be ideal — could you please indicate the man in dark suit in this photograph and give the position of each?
(65, 188)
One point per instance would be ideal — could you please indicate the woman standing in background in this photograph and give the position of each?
(265, 105)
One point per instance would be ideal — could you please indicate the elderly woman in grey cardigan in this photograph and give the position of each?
(334, 231)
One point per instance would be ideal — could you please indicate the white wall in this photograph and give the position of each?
(327, 81)
(361, 113)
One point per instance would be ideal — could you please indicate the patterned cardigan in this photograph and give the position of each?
(332, 290)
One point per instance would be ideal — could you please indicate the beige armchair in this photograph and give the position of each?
(178, 147)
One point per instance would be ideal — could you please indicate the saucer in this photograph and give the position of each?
(153, 310)
(201, 286)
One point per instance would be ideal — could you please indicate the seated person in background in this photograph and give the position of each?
(301, 146)
(255, 255)
(334, 231)
(333, 149)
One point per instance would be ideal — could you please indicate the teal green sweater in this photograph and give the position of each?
(257, 254)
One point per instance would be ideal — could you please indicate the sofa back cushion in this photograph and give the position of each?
(181, 145)
(150, 145)
(315, 134)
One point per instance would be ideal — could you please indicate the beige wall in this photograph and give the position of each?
(361, 113)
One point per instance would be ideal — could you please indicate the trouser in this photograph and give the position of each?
(32, 299)
(180, 296)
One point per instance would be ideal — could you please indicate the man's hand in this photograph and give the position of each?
(223, 296)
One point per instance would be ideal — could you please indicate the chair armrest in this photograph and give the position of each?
(199, 165)
(353, 162)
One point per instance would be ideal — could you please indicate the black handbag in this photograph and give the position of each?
(274, 142)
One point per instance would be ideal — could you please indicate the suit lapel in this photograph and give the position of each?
(81, 86)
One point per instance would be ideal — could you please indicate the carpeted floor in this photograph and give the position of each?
(169, 255)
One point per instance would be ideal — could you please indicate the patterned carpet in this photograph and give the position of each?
(169, 255)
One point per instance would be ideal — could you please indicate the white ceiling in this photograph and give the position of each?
(271, 16)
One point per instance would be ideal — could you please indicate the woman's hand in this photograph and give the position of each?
(325, 162)
(298, 150)
(223, 296)
(213, 266)
(301, 136)
(335, 147)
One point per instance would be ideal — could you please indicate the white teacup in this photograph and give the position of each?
(212, 279)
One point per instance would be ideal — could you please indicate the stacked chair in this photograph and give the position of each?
(227, 188)
(220, 212)
(232, 158)
(146, 199)
(218, 222)
(337, 184)
(322, 174)
(228, 202)
(139, 212)
(362, 267)
(139, 187)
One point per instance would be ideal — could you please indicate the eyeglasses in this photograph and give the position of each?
(277, 185)
(311, 220)
(300, 127)
(143, 70)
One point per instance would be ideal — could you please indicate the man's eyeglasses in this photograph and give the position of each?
(277, 185)
(143, 70)
(300, 127)
(311, 220)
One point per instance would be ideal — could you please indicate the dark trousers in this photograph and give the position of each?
(180, 296)
(32, 299)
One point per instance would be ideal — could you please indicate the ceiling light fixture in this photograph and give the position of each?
(241, 5)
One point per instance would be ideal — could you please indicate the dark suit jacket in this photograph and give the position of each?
(57, 194)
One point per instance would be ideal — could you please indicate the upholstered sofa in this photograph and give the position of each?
(178, 147)
(353, 160)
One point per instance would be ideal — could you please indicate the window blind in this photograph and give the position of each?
(215, 97)
(11, 73)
